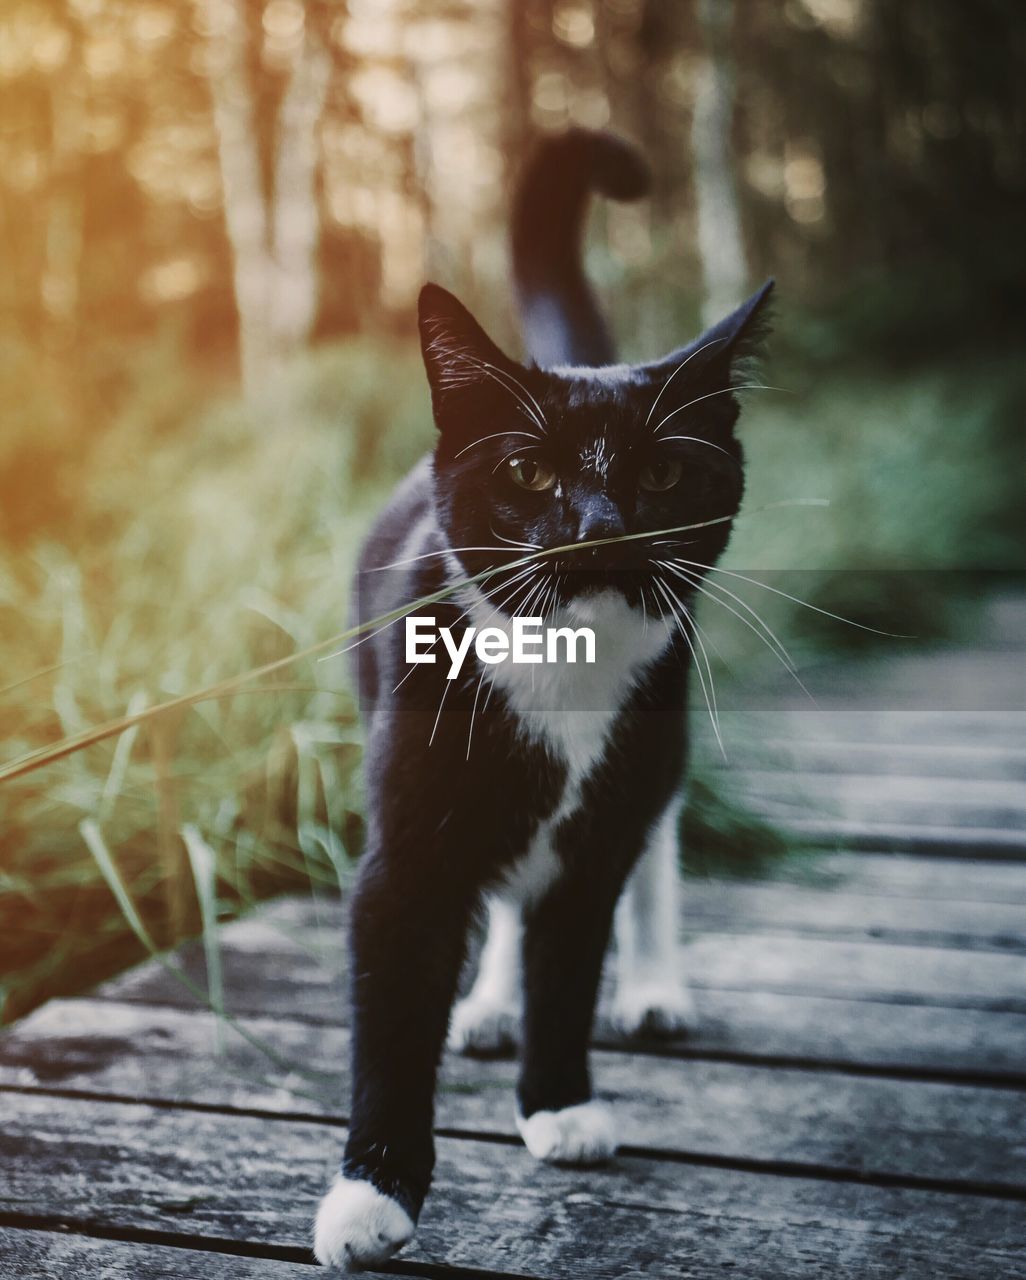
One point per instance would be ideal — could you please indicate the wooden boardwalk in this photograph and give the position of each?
(853, 1104)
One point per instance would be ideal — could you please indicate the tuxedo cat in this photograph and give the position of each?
(535, 793)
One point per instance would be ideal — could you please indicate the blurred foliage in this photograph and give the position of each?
(158, 532)
(204, 541)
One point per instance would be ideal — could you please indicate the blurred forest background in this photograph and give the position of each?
(215, 217)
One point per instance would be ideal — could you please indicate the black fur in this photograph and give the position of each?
(445, 822)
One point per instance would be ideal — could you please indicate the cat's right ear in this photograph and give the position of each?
(459, 357)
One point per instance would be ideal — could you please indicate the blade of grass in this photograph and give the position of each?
(97, 846)
(38, 675)
(119, 765)
(203, 862)
(77, 742)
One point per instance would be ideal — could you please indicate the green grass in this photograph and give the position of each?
(208, 542)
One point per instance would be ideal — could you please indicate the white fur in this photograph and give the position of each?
(570, 707)
(582, 1134)
(651, 994)
(487, 1020)
(357, 1226)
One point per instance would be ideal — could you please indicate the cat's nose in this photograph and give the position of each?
(601, 518)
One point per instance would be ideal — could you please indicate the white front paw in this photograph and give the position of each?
(582, 1134)
(482, 1025)
(357, 1226)
(653, 1008)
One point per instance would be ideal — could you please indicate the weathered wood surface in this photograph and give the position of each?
(819, 1119)
(769, 1029)
(921, 752)
(493, 1208)
(850, 1103)
(894, 875)
(869, 836)
(863, 911)
(804, 1172)
(54, 1255)
(994, 728)
(912, 760)
(292, 958)
(901, 799)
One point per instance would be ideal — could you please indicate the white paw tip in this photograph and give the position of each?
(654, 1009)
(582, 1134)
(483, 1026)
(357, 1226)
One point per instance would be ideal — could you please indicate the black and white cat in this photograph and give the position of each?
(535, 792)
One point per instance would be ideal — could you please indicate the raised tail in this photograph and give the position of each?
(561, 322)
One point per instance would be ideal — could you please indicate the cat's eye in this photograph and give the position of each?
(530, 473)
(660, 474)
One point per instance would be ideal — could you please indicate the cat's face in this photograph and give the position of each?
(531, 459)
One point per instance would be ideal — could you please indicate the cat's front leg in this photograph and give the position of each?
(565, 937)
(652, 996)
(408, 934)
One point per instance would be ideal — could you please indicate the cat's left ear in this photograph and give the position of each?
(463, 364)
(716, 357)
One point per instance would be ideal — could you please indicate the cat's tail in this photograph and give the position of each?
(561, 321)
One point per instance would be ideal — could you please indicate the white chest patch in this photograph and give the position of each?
(571, 707)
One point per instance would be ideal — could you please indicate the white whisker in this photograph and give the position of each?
(428, 555)
(768, 636)
(685, 361)
(667, 595)
(517, 390)
(523, 546)
(697, 440)
(724, 391)
(494, 436)
(514, 454)
(438, 716)
(473, 710)
(731, 573)
(519, 577)
(696, 631)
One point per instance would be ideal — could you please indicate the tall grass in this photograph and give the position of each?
(210, 544)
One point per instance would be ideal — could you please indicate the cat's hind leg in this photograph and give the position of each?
(652, 996)
(487, 1019)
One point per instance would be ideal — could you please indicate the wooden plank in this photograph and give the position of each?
(746, 1025)
(915, 759)
(822, 1120)
(801, 964)
(960, 678)
(792, 906)
(966, 801)
(764, 1027)
(899, 875)
(54, 1255)
(877, 971)
(267, 970)
(971, 678)
(493, 1207)
(739, 906)
(874, 837)
(992, 728)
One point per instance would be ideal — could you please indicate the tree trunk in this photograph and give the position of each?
(295, 218)
(274, 243)
(720, 242)
(245, 208)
